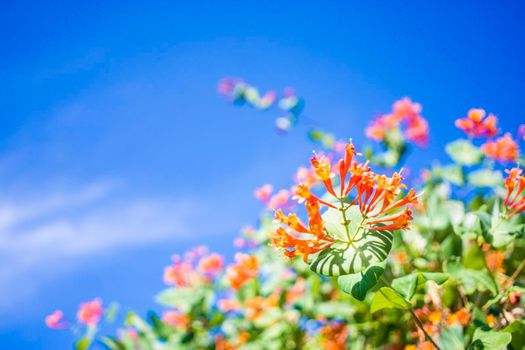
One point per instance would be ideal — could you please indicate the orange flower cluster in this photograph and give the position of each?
(515, 198)
(256, 307)
(334, 335)
(376, 196)
(403, 111)
(245, 268)
(476, 125)
(503, 149)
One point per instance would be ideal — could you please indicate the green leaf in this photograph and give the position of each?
(111, 312)
(358, 284)
(464, 152)
(387, 298)
(452, 339)
(485, 178)
(112, 343)
(344, 257)
(408, 285)
(517, 330)
(83, 344)
(472, 280)
(502, 230)
(489, 340)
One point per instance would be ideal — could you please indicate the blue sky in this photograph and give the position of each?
(116, 151)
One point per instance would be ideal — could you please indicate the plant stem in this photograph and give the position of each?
(420, 325)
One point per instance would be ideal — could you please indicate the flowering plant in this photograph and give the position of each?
(382, 264)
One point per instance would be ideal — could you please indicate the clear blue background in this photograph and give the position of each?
(116, 151)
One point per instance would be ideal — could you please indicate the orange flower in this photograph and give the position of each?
(503, 149)
(244, 269)
(435, 317)
(515, 198)
(461, 317)
(476, 125)
(495, 261)
(491, 320)
(377, 197)
(256, 307)
(334, 335)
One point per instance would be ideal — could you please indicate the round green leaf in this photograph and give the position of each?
(347, 256)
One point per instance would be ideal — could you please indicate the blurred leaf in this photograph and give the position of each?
(358, 284)
(408, 285)
(451, 338)
(474, 258)
(111, 312)
(112, 343)
(387, 298)
(489, 340)
(485, 178)
(464, 152)
(517, 330)
(83, 344)
(472, 280)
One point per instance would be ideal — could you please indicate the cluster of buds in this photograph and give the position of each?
(406, 114)
(515, 198)
(376, 196)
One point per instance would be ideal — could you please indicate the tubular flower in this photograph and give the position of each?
(515, 198)
(377, 197)
(244, 269)
(90, 312)
(504, 149)
(476, 125)
(405, 118)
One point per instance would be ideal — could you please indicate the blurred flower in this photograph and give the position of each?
(228, 305)
(461, 317)
(280, 200)
(405, 115)
(491, 320)
(175, 319)
(521, 132)
(211, 265)
(334, 336)
(263, 193)
(56, 320)
(180, 274)
(495, 260)
(90, 312)
(503, 149)
(244, 269)
(255, 307)
(476, 125)
(515, 185)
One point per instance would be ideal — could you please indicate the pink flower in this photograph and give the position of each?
(279, 200)
(521, 132)
(175, 319)
(90, 312)
(228, 305)
(263, 193)
(56, 320)
(180, 274)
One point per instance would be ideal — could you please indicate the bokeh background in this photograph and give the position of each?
(116, 151)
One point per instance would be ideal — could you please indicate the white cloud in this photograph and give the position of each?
(47, 234)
